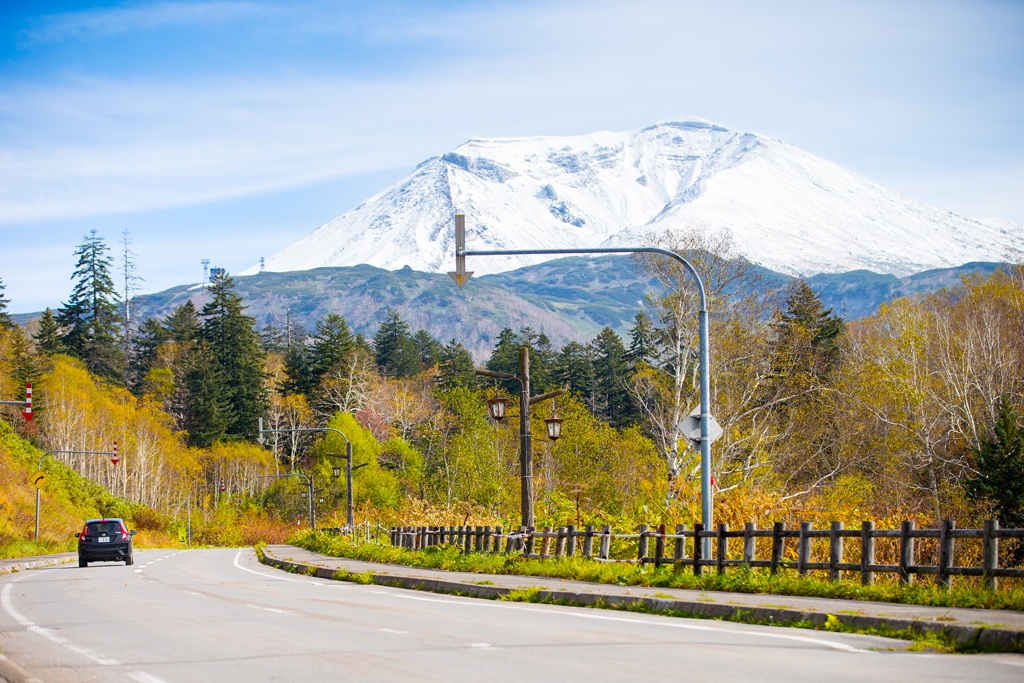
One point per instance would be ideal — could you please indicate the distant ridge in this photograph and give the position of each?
(788, 210)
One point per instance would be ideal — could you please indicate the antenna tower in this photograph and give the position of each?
(206, 270)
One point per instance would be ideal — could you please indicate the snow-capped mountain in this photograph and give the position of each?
(788, 210)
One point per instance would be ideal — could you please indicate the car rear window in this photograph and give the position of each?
(97, 528)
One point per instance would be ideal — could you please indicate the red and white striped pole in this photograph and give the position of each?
(114, 459)
(28, 402)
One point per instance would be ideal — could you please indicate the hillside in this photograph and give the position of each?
(788, 210)
(569, 298)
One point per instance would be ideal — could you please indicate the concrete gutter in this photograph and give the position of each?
(990, 636)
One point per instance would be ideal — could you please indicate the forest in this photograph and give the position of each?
(910, 413)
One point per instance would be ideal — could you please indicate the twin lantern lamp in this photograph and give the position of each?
(497, 407)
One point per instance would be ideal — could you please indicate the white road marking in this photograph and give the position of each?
(480, 646)
(138, 571)
(8, 605)
(272, 576)
(391, 630)
(271, 609)
(690, 627)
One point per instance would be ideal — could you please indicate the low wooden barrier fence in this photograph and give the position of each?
(537, 544)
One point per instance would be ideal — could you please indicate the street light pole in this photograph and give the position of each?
(309, 488)
(525, 434)
(349, 468)
(461, 277)
(40, 467)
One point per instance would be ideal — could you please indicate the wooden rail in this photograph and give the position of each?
(564, 541)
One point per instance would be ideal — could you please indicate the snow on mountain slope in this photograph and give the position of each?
(787, 209)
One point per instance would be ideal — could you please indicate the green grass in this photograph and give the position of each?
(743, 580)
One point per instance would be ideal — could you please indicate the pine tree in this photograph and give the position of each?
(611, 372)
(642, 348)
(183, 323)
(575, 371)
(207, 411)
(428, 348)
(273, 339)
(455, 367)
(807, 332)
(333, 342)
(5, 320)
(91, 318)
(48, 337)
(229, 335)
(146, 343)
(298, 375)
(394, 350)
(1000, 465)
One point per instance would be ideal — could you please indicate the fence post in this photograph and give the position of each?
(478, 539)
(531, 541)
(641, 546)
(867, 553)
(945, 553)
(721, 547)
(659, 545)
(698, 550)
(487, 539)
(778, 545)
(990, 553)
(749, 542)
(545, 543)
(906, 551)
(835, 552)
(803, 549)
(560, 542)
(606, 542)
(570, 541)
(496, 541)
(680, 551)
(588, 542)
(467, 540)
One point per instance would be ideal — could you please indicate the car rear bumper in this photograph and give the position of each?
(104, 552)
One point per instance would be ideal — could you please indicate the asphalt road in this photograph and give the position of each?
(219, 615)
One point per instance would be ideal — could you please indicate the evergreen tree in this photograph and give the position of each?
(146, 345)
(48, 336)
(91, 317)
(5, 320)
(428, 348)
(394, 349)
(207, 411)
(183, 324)
(611, 374)
(230, 336)
(642, 348)
(273, 339)
(575, 371)
(808, 333)
(455, 367)
(1000, 465)
(333, 343)
(505, 358)
(299, 377)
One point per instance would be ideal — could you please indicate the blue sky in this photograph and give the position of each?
(227, 130)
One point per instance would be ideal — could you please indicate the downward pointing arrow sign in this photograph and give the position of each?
(461, 278)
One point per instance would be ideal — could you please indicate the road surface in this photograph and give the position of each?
(219, 615)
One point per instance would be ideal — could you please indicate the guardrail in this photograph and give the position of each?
(536, 544)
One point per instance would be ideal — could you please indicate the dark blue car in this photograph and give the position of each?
(104, 540)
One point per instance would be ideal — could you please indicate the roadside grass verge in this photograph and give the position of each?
(742, 580)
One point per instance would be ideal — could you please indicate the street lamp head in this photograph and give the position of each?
(497, 407)
(336, 471)
(554, 424)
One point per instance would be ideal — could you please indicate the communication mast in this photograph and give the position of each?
(206, 270)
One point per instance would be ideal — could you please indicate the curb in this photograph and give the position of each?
(9, 567)
(981, 637)
(12, 673)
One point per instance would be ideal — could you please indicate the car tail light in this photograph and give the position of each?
(85, 530)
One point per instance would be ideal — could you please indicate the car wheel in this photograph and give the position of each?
(82, 563)
(129, 560)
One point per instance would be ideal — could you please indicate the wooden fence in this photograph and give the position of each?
(537, 544)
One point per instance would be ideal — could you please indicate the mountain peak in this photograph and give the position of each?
(786, 209)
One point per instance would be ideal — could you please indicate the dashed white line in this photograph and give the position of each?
(392, 630)
(8, 605)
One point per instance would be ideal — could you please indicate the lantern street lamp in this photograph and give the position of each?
(497, 407)
(336, 471)
(554, 424)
